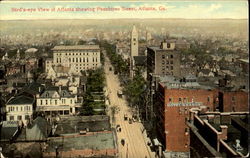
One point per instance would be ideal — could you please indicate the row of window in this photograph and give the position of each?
(19, 117)
(185, 100)
(76, 60)
(167, 62)
(19, 108)
(55, 101)
(94, 53)
(167, 56)
(167, 68)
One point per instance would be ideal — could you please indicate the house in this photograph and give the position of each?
(20, 108)
(57, 101)
(205, 73)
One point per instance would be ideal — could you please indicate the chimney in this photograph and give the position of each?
(223, 132)
(60, 89)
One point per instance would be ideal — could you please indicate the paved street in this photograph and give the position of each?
(135, 141)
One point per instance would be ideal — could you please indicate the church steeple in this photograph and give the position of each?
(134, 42)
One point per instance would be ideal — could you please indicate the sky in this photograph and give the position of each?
(17, 10)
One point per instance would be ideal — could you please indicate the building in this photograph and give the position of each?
(233, 100)
(57, 101)
(174, 99)
(81, 57)
(134, 43)
(134, 50)
(85, 136)
(20, 108)
(163, 60)
(216, 134)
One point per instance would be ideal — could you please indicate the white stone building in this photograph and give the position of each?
(81, 57)
(20, 108)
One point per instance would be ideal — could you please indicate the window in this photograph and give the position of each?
(66, 112)
(77, 60)
(170, 100)
(41, 102)
(171, 62)
(55, 102)
(172, 67)
(46, 102)
(134, 39)
(179, 99)
(171, 56)
(69, 59)
(233, 99)
(163, 57)
(185, 100)
(80, 59)
(9, 109)
(11, 118)
(16, 108)
(168, 45)
(21, 108)
(73, 60)
(27, 117)
(19, 117)
(208, 99)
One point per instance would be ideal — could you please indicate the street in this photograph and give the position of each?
(135, 141)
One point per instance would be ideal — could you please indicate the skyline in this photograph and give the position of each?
(46, 10)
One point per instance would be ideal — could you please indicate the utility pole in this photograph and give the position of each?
(127, 151)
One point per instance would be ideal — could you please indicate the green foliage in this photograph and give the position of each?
(135, 89)
(87, 107)
(81, 42)
(119, 64)
(95, 80)
(95, 83)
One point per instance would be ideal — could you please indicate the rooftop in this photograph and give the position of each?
(188, 82)
(77, 47)
(75, 124)
(96, 141)
(20, 100)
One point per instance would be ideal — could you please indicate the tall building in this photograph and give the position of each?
(81, 57)
(134, 42)
(133, 50)
(163, 60)
(174, 99)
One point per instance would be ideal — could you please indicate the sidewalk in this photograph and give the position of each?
(147, 140)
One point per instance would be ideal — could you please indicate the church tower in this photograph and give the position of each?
(134, 42)
(133, 50)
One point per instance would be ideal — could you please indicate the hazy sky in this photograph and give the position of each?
(10, 10)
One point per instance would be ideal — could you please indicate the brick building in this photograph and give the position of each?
(175, 98)
(215, 134)
(232, 101)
